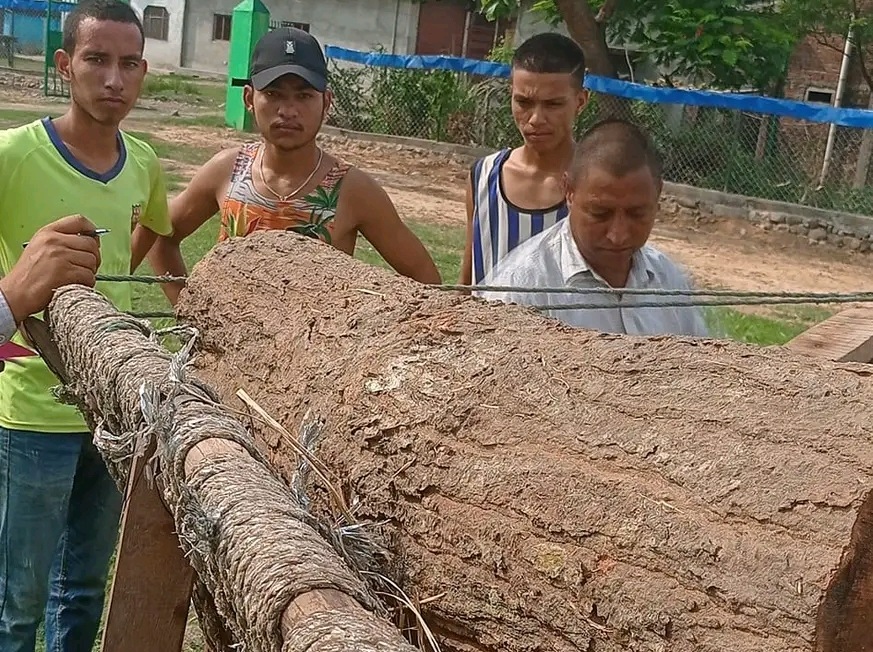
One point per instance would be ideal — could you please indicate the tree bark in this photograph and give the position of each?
(273, 578)
(590, 34)
(865, 151)
(556, 489)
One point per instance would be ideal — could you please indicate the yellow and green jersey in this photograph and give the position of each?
(40, 182)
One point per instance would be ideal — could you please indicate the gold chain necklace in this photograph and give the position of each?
(283, 198)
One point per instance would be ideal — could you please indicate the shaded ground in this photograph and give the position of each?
(723, 252)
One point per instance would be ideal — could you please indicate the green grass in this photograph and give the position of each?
(23, 65)
(183, 88)
(181, 152)
(16, 117)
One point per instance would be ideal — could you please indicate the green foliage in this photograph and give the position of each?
(720, 43)
(502, 52)
(727, 44)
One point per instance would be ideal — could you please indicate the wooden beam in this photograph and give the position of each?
(151, 590)
(845, 337)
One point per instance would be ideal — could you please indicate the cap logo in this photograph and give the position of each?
(289, 47)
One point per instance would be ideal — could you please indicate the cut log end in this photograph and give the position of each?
(845, 617)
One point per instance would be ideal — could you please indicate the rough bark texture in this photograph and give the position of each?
(559, 489)
(589, 31)
(262, 558)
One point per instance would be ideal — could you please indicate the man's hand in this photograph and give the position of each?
(56, 256)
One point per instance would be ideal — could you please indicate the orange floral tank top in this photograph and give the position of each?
(245, 210)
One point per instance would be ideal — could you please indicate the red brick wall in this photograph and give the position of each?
(816, 65)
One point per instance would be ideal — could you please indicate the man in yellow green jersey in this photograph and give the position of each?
(59, 509)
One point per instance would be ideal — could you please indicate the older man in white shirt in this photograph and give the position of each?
(613, 189)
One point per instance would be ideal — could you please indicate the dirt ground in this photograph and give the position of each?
(728, 253)
(428, 186)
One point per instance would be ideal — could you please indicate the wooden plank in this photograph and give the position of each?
(845, 337)
(151, 590)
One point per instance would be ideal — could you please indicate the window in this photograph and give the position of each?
(221, 27)
(819, 95)
(156, 22)
(276, 24)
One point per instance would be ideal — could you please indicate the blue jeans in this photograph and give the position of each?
(59, 514)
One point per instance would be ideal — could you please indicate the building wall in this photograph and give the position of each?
(529, 24)
(164, 53)
(816, 66)
(364, 25)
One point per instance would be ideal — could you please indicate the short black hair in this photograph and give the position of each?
(113, 10)
(550, 52)
(619, 146)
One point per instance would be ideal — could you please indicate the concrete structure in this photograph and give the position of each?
(181, 33)
(163, 22)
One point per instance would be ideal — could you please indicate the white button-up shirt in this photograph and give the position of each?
(553, 260)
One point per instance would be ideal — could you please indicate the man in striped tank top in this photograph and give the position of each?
(285, 180)
(614, 185)
(514, 194)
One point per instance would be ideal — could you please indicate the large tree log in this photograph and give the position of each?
(557, 489)
(275, 579)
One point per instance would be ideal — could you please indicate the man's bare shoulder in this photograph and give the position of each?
(353, 175)
(514, 161)
(216, 172)
(223, 160)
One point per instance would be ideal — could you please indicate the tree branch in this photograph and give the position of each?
(606, 11)
(587, 32)
(826, 39)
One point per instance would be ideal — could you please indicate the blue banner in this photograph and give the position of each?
(859, 118)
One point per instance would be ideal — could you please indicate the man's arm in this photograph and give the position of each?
(467, 258)
(378, 221)
(55, 256)
(188, 212)
(155, 217)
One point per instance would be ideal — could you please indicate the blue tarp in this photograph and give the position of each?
(860, 118)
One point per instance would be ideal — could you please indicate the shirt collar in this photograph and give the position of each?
(573, 263)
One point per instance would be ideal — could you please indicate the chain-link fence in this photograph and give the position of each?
(30, 32)
(736, 151)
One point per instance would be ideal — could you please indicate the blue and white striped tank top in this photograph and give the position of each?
(498, 225)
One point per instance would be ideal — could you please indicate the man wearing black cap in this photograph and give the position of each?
(286, 181)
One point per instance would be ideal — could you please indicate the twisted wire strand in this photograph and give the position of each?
(722, 297)
(811, 296)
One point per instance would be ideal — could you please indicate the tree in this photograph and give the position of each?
(726, 44)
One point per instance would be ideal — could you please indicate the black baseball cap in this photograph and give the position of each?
(288, 51)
